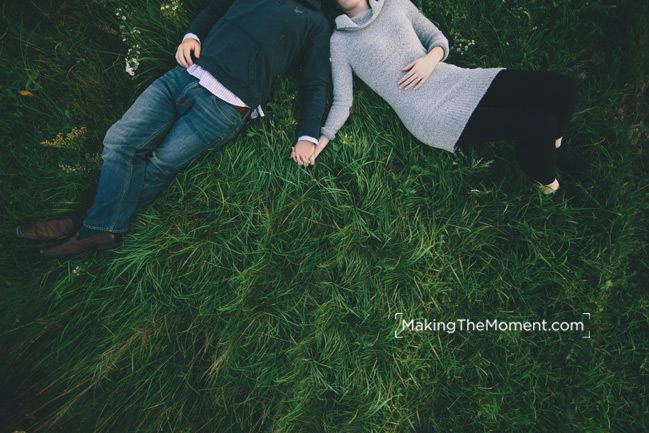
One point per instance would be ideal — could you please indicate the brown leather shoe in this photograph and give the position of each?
(46, 231)
(101, 241)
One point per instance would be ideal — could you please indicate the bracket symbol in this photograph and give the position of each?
(395, 318)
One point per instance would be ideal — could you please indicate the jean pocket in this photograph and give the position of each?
(230, 114)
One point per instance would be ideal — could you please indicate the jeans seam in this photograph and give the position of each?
(228, 136)
(104, 229)
(185, 98)
(130, 173)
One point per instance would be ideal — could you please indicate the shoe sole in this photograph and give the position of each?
(103, 247)
(21, 235)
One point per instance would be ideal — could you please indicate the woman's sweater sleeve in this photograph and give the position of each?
(342, 77)
(429, 35)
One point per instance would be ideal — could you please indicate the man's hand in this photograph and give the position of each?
(184, 52)
(420, 69)
(303, 152)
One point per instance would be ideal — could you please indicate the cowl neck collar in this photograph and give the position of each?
(344, 23)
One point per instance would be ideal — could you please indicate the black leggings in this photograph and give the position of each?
(531, 107)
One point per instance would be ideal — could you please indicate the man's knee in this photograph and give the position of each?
(115, 144)
(120, 142)
(160, 171)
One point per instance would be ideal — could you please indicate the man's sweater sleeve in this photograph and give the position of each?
(207, 17)
(429, 35)
(343, 82)
(314, 80)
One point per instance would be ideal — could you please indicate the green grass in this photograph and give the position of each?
(256, 295)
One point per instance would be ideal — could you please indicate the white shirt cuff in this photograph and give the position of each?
(193, 36)
(308, 138)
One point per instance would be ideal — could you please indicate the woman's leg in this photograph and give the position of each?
(551, 91)
(534, 130)
(532, 107)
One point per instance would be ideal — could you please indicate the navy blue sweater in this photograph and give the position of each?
(248, 44)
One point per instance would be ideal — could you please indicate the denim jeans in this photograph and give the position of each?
(172, 122)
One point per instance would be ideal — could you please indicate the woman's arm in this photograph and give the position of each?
(429, 35)
(342, 77)
(436, 45)
(420, 69)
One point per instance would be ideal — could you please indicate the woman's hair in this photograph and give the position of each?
(331, 10)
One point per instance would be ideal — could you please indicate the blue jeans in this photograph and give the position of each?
(172, 122)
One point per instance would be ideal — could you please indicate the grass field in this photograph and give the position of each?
(256, 295)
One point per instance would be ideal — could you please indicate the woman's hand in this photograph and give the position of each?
(322, 143)
(420, 69)
(184, 52)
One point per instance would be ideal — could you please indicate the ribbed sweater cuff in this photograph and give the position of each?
(327, 133)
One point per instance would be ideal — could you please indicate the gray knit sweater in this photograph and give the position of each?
(375, 45)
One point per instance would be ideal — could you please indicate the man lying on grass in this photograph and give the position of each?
(240, 49)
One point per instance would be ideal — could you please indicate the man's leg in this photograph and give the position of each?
(208, 123)
(126, 143)
(203, 122)
(126, 147)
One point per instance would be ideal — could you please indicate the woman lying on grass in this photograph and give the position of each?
(399, 53)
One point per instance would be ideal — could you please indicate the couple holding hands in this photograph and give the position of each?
(234, 52)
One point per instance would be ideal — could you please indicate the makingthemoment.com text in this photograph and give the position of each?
(489, 325)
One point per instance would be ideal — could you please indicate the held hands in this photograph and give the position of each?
(305, 152)
(184, 52)
(420, 70)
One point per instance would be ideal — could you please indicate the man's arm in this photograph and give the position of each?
(199, 28)
(313, 85)
(190, 44)
(314, 81)
(342, 77)
(208, 16)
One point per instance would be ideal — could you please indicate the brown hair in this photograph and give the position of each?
(331, 10)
